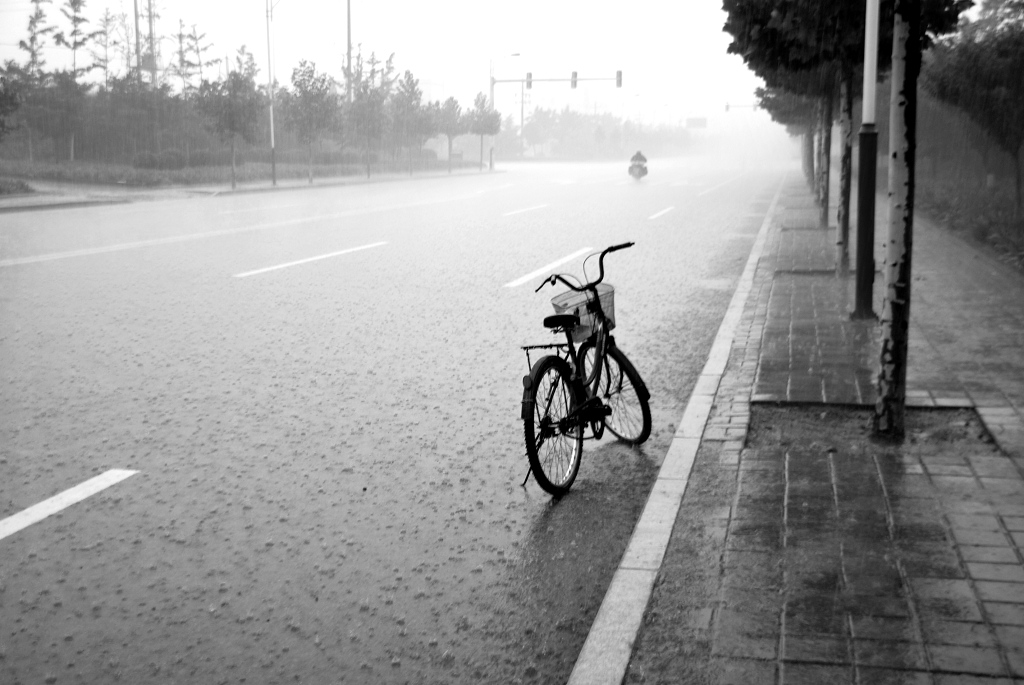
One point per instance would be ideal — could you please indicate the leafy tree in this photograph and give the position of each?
(979, 70)
(77, 38)
(541, 126)
(451, 123)
(9, 99)
(184, 67)
(198, 49)
(370, 83)
(37, 32)
(232, 106)
(408, 115)
(105, 40)
(484, 120)
(312, 107)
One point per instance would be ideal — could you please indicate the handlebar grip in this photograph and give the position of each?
(623, 246)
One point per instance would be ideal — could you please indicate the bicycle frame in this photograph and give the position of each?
(591, 410)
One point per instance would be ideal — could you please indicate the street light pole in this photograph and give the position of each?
(270, 89)
(868, 138)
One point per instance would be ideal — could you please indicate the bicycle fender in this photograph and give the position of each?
(527, 402)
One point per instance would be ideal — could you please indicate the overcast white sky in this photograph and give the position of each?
(672, 53)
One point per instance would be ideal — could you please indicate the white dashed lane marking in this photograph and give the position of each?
(38, 512)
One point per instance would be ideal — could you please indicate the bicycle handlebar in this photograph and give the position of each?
(558, 277)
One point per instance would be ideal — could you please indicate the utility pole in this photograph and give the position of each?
(138, 47)
(152, 47)
(868, 138)
(270, 90)
(348, 59)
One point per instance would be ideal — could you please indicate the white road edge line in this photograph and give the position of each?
(38, 512)
(720, 185)
(546, 269)
(661, 213)
(525, 209)
(308, 259)
(609, 645)
(257, 209)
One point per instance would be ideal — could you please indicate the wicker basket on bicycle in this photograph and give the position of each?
(572, 302)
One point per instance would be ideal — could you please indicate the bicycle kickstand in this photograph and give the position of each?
(528, 472)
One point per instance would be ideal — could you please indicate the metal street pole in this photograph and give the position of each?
(348, 58)
(522, 98)
(270, 89)
(868, 138)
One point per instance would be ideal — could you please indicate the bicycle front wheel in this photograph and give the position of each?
(554, 444)
(621, 388)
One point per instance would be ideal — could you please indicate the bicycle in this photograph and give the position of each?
(594, 386)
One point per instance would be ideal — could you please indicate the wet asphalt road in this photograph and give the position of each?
(329, 454)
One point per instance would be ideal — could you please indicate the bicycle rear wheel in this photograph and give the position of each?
(621, 388)
(553, 445)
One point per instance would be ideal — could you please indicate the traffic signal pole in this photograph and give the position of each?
(528, 83)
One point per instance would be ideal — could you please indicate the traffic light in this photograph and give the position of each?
(618, 79)
(574, 79)
(529, 79)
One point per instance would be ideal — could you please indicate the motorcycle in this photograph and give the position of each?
(638, 170)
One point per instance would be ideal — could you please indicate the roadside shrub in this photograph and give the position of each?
(145, 160)
(171, 159)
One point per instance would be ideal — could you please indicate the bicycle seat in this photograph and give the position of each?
(561, 321)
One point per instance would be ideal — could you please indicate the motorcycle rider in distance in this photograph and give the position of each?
(638, 166)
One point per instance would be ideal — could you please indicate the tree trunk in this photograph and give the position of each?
(890, 406)
(808, 150)
(449, 154)
(845, 172)
(71, 147)
(481, 152)
(818, 136)
(826, 157)
(31, 155)
(232, 162)
(309, 159)
(1017, 174)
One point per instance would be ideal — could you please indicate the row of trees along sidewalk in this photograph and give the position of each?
(810, 56)
(133, 115)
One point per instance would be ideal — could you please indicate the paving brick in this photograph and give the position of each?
(822, 650)
(969, 536)
(1011, 637)
(884, 628)
(964, 679)
(744, 671)
(814, 674)
(958, 659)
(1005, 614)
(891, 676)
(890, 654)
(992, 591)
(958, 633)
(983, 522)
(991, 555)
(1006, 487)
(1014, 523)
(950, 470)
(1016, 661)
(1011, 573)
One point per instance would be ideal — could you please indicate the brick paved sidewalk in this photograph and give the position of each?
(815, 564)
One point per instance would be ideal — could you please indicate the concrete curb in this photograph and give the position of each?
(606, 653)
(206, 191)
